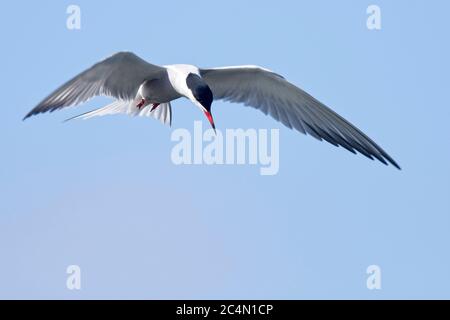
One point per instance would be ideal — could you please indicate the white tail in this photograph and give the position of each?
(162, 113)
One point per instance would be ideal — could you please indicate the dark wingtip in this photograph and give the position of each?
(33, 112)
(396, 165)
(29, 114)
(391, 161)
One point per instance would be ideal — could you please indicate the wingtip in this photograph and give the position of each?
(33, 112)
(392, 162)
(27, 116)
(397, 166)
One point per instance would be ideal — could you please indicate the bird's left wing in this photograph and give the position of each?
(118, 76)
(272, 94)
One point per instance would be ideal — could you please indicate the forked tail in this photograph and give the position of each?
(163, 113)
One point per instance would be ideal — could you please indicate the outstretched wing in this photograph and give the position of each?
(118, 76)
(273, 95)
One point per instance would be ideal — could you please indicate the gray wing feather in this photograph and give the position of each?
(273, 95)
(118, 76)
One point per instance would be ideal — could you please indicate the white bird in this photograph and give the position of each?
(144, 89)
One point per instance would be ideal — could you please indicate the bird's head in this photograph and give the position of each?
(202, 94)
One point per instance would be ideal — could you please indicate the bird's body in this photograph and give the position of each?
(141, 88)
(159, 88)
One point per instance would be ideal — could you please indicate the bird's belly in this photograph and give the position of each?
(163, 98)
(160, 91)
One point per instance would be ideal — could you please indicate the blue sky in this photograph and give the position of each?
(103, 194)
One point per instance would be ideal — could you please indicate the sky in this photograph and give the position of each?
(104, 194)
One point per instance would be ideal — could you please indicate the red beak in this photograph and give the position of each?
(210, 119)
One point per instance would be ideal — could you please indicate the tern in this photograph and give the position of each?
(144, 89)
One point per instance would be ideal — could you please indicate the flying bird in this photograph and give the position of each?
(144, 89)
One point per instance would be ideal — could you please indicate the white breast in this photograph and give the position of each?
(177, 76)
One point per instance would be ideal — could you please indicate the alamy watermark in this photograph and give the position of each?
(373, 281)
(234, 146)
(374, 19)
(73, 21)
(73, 281)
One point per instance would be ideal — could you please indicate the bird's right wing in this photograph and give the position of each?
(118, 76)
(272, 94)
